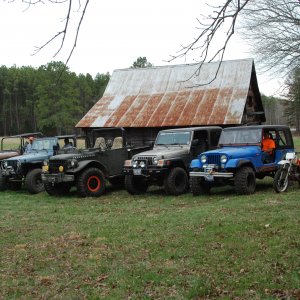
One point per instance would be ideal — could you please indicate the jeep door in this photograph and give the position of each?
(113, 160)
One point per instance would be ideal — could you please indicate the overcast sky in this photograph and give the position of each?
(114, 34)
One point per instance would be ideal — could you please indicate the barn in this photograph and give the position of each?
(146, 100)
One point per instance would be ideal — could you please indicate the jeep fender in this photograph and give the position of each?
(88, 163)
(196, 163)
(173, 163)
(237, 163)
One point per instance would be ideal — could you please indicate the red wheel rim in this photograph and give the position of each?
(94, 183)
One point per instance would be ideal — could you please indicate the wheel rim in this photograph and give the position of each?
(93, 183)
(38, 182)
(282, 181)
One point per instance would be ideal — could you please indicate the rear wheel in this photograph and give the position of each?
(281, 179)
(33, 181)
(177, 182)
(245, 181)
(91, 183)
(135, 185)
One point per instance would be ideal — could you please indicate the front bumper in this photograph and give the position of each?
(58, 178)
(149, 172)
(209, 176)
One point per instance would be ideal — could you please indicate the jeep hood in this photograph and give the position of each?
(236, 152)
(8, 154)
(164, 152)
(72, 156)
(31, 157)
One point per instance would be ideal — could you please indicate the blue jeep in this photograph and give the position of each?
(28, 167)
(240, 159)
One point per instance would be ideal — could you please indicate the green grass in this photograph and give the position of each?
(154, 246)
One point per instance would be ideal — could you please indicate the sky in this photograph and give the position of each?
(113, 35)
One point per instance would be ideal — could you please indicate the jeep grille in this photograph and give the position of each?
(13, 163)
(55, 164)
(147, 159)
(213, 159)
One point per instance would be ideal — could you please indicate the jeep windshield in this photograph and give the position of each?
(44, 144)
(173, 138)
(245, 136)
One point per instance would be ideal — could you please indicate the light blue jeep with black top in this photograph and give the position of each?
(239, 160)
(27, 168)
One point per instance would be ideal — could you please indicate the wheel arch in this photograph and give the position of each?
(245, 163)
(90, 164)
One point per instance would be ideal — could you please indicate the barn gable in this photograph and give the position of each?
(170, 96)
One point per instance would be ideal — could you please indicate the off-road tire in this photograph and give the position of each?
(90, 183)
(198, 186)
(177, 182)
(3, 183)
(33, 181)
(245, 181)
(135, 185)
(118, 182)
(58, 189)
(280, 175)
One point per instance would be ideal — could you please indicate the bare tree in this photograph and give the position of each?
(73, 6)
(270, 26)
(220, 22)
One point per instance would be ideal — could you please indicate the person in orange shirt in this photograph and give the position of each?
(268, 146)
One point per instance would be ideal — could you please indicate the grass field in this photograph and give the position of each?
(154, 246)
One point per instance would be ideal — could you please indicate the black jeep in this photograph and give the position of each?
(167, 164)
(89, 168)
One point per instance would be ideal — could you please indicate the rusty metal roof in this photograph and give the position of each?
(172, 96)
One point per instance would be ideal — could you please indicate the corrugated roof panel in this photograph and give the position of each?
(143, 117)
(176, 108)
(190, 109)
(173, 96)
(158, 116)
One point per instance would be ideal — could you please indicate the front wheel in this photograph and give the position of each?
(135, 185)
(91, 183)
(33, 181)
(3, 183)
(177, 182)
(281, 179)
(245, 181)
(57, 189)
(198, 186)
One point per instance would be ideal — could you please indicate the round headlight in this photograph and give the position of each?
(223, 159)
(155, 160)
(72, 163)
(203, 159)
(5, 164)
(142, 164)
(60, 168)
(134, 164)
(46, 162)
